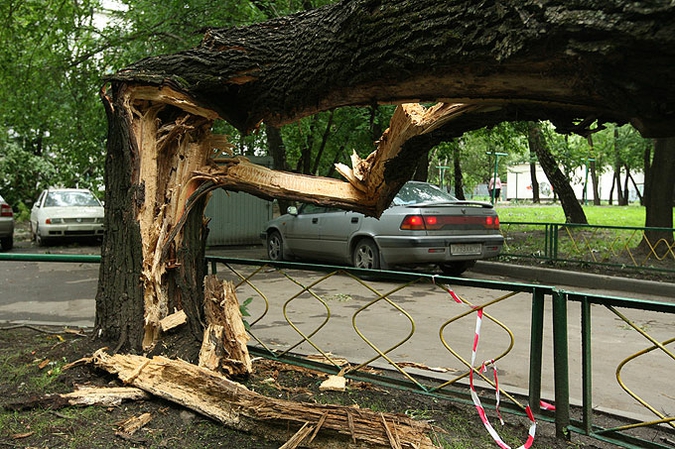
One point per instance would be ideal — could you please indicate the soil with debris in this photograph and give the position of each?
(32, 366)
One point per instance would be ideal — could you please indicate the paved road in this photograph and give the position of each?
(63, 293)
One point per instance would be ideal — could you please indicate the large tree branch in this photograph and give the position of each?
(611, 60)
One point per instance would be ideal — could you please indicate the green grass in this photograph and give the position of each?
(631, 216)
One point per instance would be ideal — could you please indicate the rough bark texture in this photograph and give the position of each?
(659, 196)
(610, 59)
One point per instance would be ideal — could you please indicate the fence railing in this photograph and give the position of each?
(615, 246)
(593, 364)
(296, 312)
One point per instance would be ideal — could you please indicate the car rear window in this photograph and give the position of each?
(61, 199)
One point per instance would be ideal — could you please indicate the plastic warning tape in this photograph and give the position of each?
(474, 395)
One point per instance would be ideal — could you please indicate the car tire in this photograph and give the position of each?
(366, 255)
(275, 246)
(39, 240)
(7, 243)
(456, 268)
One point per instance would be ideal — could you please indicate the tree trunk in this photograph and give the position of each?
(533, 173)
(595, 183)
(277, 149)
(422, 169)
(574, 213)
(458, 177)
(503, 61)
(658, 196)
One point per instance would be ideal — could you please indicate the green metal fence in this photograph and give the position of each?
(622, 247)
(592, 364)
(530, 332)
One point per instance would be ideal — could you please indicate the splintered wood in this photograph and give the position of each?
(224, 343)
(365, 191)
(232, 404)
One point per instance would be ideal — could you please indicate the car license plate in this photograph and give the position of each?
(463, 249)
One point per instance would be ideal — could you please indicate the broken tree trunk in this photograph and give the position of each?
(224, 344)
(167, 144)
(232, 404)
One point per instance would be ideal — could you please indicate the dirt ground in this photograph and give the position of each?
(32, 362)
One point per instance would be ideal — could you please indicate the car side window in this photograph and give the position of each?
(309, 208)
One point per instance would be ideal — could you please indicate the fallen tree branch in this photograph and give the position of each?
(232, 404)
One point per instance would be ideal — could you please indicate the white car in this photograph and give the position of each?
(66, 213)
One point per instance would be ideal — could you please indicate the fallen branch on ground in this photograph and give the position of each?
(232, 404)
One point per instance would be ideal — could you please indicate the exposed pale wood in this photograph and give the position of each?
(133, 424)
(174, 320)
(232, 404)
(225, 338)
(334, 383)
(107, 396)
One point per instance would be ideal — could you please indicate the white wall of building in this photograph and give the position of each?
(519, 184)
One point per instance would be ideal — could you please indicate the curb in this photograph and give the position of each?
(556, 277)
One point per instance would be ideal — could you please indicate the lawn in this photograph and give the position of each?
(631, 216)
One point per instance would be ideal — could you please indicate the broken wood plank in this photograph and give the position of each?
(224, 344)
(84, 396)
(232, 404)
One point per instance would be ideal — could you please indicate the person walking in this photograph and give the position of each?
(495, 188)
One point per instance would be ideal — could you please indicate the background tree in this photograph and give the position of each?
(574, 213)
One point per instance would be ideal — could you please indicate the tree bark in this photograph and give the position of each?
(457, 172)
(574, 213)
(659, 186)
(365, 51)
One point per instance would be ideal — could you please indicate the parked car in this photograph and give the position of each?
(6, 225)
(66, 213)
(423, 225)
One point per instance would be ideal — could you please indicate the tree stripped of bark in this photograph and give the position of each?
(232, 404)
(574, 65)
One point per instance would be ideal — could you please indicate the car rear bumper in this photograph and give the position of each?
(71, 230)
(422, 250)
(6, 228)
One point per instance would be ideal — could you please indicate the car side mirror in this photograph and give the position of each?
(292, 210)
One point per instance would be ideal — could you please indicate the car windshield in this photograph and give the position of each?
(414, 193)
(61, 199)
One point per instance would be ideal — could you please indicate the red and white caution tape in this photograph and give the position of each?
(474, 394)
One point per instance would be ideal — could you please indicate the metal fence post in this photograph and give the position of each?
(536, 348)
(587, 364)
(561, 364)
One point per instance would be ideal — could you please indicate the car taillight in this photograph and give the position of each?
(6, 210)
(492, 222)
(413, 223)
(421, 223)
(438, 222)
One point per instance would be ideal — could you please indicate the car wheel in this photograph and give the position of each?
(39, 240)
(366, 255)
(456, 268)
(275, 246)
(7, 243)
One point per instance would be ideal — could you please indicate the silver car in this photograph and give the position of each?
(6, 225)
(424, 225)
(63, 213)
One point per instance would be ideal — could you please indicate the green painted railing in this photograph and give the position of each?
(553, 343)
(621, 247)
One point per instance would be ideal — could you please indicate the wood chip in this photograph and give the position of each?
(133, 424)
(334, 383)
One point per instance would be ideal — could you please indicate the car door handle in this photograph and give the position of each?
(355, 219)
(315, 220)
